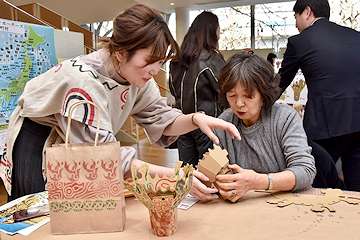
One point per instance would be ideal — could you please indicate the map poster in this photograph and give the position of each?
(26, 51)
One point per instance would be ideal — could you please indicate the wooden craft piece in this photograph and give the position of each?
(318, 203)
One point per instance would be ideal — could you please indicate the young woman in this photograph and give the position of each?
(119, 79)
(193, 81)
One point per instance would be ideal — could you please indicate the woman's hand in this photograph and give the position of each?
(199, 190)
(234, 186)
(207, 124)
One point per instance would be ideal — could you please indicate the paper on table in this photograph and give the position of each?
(187, 202)
(28, 230)
(28, 226)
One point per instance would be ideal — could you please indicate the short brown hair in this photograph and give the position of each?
(252, 72)
(139, 27)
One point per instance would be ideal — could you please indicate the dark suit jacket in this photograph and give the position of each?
(329, 57)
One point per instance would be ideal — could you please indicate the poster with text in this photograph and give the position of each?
(26, 51)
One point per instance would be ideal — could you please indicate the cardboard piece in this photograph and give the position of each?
(213, 163)
(298, 86)
(282, 97)
(318, 204)
(300, 109)
(162, 195)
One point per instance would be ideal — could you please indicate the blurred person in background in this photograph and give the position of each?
(193, 81)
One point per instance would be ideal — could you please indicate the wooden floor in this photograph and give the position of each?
(151, 154)
(154, 154)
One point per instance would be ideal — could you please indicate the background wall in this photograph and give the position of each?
(68, 44)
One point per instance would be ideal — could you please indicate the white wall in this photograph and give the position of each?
(68, 44)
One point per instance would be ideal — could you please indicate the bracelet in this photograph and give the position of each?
(270, 182)
(192, 118)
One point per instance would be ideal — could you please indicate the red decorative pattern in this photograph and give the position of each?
(91, 170)
(81, 171)
(123, 97)
(58, 67)
(110, 169)
(6, 163)
(84, 190)
(73, 170)
(164, 184)
(87, 97)
(55, 171)
(163, 223)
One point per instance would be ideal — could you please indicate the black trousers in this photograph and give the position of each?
(192, 146)
(348, 148)
(327, 175)
(27, 174)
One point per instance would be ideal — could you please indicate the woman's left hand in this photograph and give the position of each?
(199, 190)
(234, 186)
(207, 124)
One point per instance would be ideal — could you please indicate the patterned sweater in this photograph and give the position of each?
(47, 98)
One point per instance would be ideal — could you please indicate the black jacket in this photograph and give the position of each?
(196, 88)
(329, 57)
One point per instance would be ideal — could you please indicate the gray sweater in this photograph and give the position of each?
(276, 142)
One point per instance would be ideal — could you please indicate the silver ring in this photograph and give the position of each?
(233, 192)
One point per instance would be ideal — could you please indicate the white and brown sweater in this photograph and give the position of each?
(47, 98)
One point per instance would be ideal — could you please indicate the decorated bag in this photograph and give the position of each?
(85, 184)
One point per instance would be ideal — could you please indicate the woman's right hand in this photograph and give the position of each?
(207, 125)
(199, 190)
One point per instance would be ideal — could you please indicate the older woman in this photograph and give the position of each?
(273, 153)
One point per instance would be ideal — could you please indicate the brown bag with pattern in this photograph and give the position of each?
(85, 185)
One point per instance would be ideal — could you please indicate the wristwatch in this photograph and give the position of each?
(270, 182)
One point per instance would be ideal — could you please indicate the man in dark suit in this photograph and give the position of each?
(329, 57)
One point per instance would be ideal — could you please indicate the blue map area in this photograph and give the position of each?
(26, 51)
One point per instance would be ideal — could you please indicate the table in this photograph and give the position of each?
(250, 218)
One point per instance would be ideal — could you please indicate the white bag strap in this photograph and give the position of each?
(69, 121)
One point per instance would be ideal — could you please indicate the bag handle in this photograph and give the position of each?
(69, 121)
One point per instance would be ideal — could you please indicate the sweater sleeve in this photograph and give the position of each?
(296, 150)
